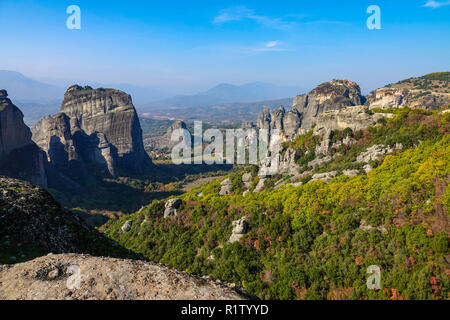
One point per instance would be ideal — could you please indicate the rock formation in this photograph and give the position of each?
(225, 187)
(82, 277)
(240, 227)
(355, 118)
(328, 96)
(96, 127)
(164, 143)
(376, 151)
(392, 97)
(306, 109)
(171, 207)
(19, 155)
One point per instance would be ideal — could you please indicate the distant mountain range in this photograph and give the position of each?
(38, 98)
(22, 88)
(227, 93)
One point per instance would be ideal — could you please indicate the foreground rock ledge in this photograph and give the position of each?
(47, 278)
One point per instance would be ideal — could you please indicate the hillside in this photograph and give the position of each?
(436, 82)
(34, 224)
(431, 91)
(376, 196)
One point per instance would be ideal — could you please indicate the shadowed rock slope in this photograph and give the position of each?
(32, 224)
(19, 155)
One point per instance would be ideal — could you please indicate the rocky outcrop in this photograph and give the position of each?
(355, 118)
(247, 181)
(328, 96)
(288, 162)
(240, 227)
(225, 187)
(83, 277)
(127, 226)
(376, 151)
(32, 223)
(260, 186)
(95, 128)
(171, 207)
(19, 155)
(164, 143)
(326, 176)
(388, 97)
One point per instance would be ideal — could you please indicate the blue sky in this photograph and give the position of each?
(188, 46)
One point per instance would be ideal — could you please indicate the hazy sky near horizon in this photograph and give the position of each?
(185, 46)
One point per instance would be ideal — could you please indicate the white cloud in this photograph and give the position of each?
(240, 13)
(272, 44)
(436, 4)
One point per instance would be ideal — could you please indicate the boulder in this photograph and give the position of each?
(247, 180)
(351, 173)
(127, 226)
(171, 207)
(226, 187)
(327, 176)
(376, 151)
(260, 186)
(240, 227)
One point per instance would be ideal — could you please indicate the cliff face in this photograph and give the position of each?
(333, 95)
(95, 126)
(19, 156)
(355, 118)
(327, 97)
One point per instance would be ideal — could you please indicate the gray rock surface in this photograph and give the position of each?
(247, 180)
(127, 226)
(95, 126)
(225, 187)
(328, 96)
(260, 186)
(171, 207)
(164, 143)
(387, 97)
(376, 151)
(355, 118)
(19, 155)
(240, 227)
(351, 173)
(288, 163)
(327, 176)
(83, 277)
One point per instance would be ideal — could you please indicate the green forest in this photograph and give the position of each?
(316, 241)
